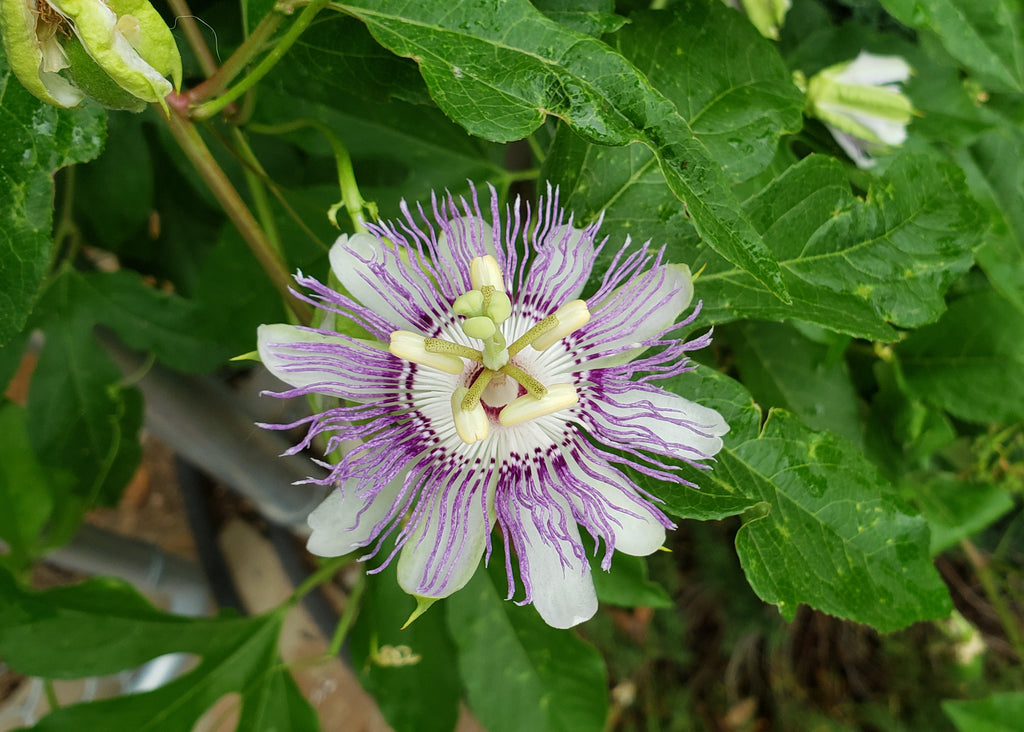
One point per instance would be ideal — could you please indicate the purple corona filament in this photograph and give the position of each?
(488, 401)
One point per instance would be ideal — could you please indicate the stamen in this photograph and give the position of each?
(570, 317)
(532, 334)
(471, 396)
(527, 407)
(437, 345)
(471, 424)
(412, 347)
(536, 389)
(485, 271)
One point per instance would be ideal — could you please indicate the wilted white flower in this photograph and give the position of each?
(862, 104)
(116, 51)
(493, 401)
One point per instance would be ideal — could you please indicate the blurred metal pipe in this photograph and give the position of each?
(95, 551)
(205, 424)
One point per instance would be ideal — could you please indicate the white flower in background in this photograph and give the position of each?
(862, 104)
(766, 15)
(493, 401)
(118, 52)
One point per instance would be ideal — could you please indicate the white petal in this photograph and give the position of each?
(871, 70)
(281, 349)
(852, 146)
(637, 531)
(445, 548)
(659, 421)
(346, 521)
(563, 594)
(889, 131)
(560, 268)
(351, 261)
(637, 311)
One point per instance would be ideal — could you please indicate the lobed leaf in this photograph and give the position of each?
(969, 363)
(36, 140)
(422, 690)
(823, 528)
(984, 35)
(103, 626)
(80, 418)
(500, 69)
(559, 681)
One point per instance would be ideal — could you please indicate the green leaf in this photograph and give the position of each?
(114, 193)
(35, 141)
(103, 626)
(593, 17)
(997, 181)
(276, 704)
(559, 681)
(784, 369)
(146, 319)
(500, 70)
(80, 419)
(824, 528)
(626, 584)
(25, 492)
(832, 538)
(235, 295)
(997, 713)
(399, 150)
(421, 692)
(970, 362)
(720, 492)
(852, 265)
(984, 35)
(956, 509)
(730, 84)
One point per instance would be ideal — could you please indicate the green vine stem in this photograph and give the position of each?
(323, 573)
(351, 199)
(1007, 619)
(219, 80)
(245, 53)
(348, 616)
(254, 177)
(194, 36)
(199, 155)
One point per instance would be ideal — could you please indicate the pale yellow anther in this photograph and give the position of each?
(479, 327)
(471, 424)
(526, 407)
(485, 271)
(469, 304)
(411, 347)
(571, 317)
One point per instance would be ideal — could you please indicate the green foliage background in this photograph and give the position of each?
(869, 324)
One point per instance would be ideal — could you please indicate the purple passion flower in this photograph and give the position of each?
(488, 396)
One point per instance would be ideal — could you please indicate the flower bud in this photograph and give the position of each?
(766, 15)
(118, 52)
(862, 104)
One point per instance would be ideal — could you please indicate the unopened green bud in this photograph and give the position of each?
(862, 104)
(766, 15)
(65, 50)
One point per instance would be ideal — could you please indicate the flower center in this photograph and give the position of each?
(484, 309)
